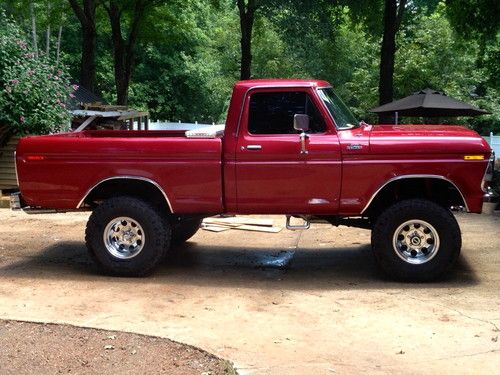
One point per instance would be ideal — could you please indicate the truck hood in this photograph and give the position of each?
(412, 139)
(435, 139)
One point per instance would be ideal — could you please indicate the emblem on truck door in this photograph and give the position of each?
(355, 146)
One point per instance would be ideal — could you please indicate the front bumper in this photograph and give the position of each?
(490, 201)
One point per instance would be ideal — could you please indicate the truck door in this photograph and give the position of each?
(273, 173)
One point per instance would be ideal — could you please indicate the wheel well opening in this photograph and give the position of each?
(437, 190)
(137, 188)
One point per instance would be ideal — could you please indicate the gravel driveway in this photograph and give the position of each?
(291, 302)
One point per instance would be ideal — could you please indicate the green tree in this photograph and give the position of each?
(475, 19)
(247, 10)
(33, 91)
(86, 14)
(393, 16)
(122, 14)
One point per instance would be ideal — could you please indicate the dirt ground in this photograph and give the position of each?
(33, 348)
(291, 302)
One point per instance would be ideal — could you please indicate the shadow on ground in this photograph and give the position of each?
(257, 267)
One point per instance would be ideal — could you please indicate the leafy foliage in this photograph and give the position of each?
(475, 18)
(187, 55)
(33, 91)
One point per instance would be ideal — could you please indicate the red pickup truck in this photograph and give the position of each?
(289, 147)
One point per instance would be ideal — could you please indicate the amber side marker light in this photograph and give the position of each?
(474, 157)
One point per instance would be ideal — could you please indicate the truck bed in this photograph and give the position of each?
(57, 171)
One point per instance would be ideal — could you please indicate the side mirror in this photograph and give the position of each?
(301, 122)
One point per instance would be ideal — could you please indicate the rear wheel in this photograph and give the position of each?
(127, 236)
(416, 240)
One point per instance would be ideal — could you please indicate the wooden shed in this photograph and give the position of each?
(8, 145)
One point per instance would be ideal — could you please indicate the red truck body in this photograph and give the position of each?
(221, 175)
(289, 147)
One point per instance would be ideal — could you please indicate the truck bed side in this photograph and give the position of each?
(58, 171)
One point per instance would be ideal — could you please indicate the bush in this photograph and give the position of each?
(33, 90)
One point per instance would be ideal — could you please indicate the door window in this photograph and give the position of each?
(272, 113)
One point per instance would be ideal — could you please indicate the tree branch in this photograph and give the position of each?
(78, 11)
(399, 16)
(241, 7)
(105, 5)
(114, 18)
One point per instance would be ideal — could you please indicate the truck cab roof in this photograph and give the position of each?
(252, 83)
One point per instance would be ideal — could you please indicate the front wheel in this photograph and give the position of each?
(127, 236)
(416, 240)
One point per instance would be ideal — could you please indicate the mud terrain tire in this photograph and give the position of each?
(416, 240)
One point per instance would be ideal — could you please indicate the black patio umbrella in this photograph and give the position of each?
(428, 103)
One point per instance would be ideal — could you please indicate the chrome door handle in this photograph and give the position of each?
(254, 147)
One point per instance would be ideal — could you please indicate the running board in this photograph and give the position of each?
(305, 225)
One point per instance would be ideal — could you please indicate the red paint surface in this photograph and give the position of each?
(217, 175)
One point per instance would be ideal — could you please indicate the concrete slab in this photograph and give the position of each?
(289, 302)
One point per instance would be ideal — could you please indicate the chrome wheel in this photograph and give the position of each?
(416, 241)
(124, 238)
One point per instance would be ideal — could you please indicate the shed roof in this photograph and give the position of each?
(82, 95)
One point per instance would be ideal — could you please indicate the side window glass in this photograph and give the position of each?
(272, 113)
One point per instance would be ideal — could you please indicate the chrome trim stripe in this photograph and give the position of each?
(414, 176)
(127, 178)
(291, 162)
(397, 161)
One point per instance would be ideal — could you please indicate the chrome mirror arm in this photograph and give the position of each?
(303, 138)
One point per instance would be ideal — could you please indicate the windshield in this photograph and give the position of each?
(343, 117)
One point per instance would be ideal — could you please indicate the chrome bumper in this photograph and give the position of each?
(490, 201)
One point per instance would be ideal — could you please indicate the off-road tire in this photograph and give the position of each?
(184, 229)
(157, 236)
(442, 221)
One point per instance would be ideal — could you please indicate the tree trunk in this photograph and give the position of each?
(121, 81)
(392, 20)
(247, 15)
(58, 45)
(88, 66)
(47, 43)
(47, 36)
(124, 50)
(33, 29)
(86, 16)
